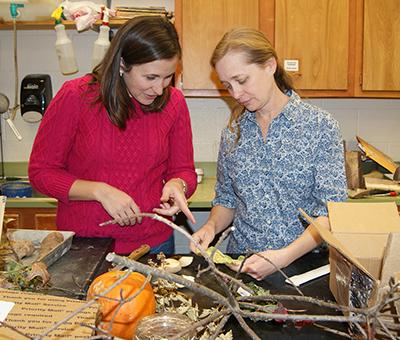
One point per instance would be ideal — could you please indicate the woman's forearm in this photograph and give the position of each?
(220, 218)
(82, 190)
(307, 241)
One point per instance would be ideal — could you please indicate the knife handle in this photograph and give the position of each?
(135, 255)
(139, 252)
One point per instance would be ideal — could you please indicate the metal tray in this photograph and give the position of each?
(36, 236)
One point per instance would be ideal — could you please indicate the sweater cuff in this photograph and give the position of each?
(61, 187)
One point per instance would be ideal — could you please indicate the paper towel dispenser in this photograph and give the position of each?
(36, 94)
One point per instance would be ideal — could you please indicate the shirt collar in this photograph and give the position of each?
(289, 110)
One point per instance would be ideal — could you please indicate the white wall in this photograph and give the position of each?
(376, 120)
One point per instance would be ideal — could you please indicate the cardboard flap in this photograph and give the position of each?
(391, 262)
(329, 238)
(366, 218)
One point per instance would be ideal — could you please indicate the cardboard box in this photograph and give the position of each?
(34, 313)
(364, 249)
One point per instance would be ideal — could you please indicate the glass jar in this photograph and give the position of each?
(164, 326)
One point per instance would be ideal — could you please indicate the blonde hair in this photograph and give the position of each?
(258, 51)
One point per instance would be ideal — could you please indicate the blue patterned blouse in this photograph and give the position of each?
(300, 165)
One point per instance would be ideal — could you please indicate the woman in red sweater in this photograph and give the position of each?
(118, 142)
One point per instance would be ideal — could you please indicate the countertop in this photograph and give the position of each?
(201, 199)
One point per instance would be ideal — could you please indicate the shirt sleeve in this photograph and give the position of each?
(48, 170)
(181, 158)
(330, 175)
(224, 194)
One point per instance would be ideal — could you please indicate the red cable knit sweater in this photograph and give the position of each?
(76, 140)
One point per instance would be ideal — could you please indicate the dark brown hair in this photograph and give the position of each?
(258, 51)
(140, 40)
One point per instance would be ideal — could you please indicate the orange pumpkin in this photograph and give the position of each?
(128, 316)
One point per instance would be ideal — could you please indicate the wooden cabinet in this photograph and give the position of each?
(201, 24)
(378, 46)
(316, 34)
(345, 48)
(31, 218)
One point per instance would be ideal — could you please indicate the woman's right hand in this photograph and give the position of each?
(121, 207)
(203, 236)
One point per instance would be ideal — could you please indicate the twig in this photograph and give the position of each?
(333, 331)
(220, 327)
(279, 270)
(124, 301)
(303, 317)
(223, 236)
(144, 269)
(307, 299)
(385, 329)
(80, 309)
(15, 330)
(203, 322)
(210, 262)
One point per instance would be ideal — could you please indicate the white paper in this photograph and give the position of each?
(308, 276)
(5, 308)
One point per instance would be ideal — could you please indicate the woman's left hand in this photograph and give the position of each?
(173, 200)
(256, 266)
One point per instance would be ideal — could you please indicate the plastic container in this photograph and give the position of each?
(65, 51)
(16, 189)
(101, 45)
(200, 174)
(163, 326)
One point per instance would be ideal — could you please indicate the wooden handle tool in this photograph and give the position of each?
(135, 255)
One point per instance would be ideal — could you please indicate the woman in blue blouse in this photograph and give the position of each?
(278, 154)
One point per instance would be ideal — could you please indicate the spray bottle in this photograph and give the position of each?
(64, 48)
(102, 43)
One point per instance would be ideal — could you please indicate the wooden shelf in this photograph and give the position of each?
(49, 24)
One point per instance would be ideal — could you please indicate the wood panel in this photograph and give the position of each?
(315, 32)
(46, 221)
(203, 25)
(381, 49)
(32, 218)
(15, 220)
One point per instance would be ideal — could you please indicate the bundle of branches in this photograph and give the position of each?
(368, 322)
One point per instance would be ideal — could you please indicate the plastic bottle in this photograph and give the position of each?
(65, 51)
(101, 45)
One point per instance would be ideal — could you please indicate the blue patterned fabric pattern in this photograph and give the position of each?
(299, 165)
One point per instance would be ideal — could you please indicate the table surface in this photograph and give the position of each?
(72, 274)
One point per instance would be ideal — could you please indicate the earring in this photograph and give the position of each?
(121, 72)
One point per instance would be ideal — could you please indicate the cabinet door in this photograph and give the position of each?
(381, 46)
(45, 220)
(12, 219)
(201, 24)
(31, 218)
(316, 33)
